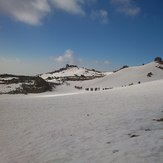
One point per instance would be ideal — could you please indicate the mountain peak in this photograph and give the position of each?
(158, 60)
(70, 66)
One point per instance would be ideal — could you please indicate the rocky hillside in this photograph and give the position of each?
(71, 73)
(12, 84)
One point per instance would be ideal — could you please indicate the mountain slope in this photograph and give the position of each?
(128, 76)
(72, 78)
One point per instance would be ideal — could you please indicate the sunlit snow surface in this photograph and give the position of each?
(114, 126)
(125, 77)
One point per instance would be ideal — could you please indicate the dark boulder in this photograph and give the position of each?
(158, 59)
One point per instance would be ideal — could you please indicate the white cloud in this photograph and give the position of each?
(69, 58)
(127, 7)
(71, 6)
(30, 12)
(101, 15)
(66, 58)
(33, 11)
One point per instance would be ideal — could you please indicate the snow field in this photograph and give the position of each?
(114, 126)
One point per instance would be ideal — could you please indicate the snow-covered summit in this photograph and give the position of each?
(72, 72)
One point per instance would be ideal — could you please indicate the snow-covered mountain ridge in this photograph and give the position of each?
(71, 73)
(73, 78)
(124, 77)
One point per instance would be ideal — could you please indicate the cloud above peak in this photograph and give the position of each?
(66, 58)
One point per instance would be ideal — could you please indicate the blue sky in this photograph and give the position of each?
(42, 35)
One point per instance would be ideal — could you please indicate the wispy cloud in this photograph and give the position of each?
(71, 6)
(33, 11)
(66, 58)
(30, 12)
(127, 7)
(69, 57)
(101, 15)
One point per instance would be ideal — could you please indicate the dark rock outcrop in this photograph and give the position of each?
(28, 84)
(158, 60)
(125, 66)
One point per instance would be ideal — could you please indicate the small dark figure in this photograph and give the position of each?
(87, 89)
(130, 84)
(149, 74)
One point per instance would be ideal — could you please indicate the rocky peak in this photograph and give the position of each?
(158, 60)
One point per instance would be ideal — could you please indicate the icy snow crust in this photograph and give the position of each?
(114, 126)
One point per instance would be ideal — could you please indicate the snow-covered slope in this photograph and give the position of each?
(74, 71)
(117, 126)
(71, 71)
(14, 84)
(6, 87)
(127, 76)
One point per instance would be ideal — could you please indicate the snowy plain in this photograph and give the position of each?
(114, 126)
